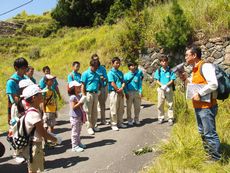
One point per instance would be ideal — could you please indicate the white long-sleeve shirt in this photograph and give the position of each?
(208, 71)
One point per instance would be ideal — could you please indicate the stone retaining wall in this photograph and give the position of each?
(214, 50)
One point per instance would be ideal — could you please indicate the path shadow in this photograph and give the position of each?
(7, 167)
(147, 121)
(225, 150)
(64, 162)
(5, 159)
(61, 130)
(3, 134)
(143, 106)
(101, 143)
(87, 137)
(103, 129)
(62, 122)
(65, 145)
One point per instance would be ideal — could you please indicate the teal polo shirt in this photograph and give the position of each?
(12, 86)
(42, 83)
(91, 80)
(115, 76)
(32, 79)
(164, 76)
(133, 81)
(101, 71)
(74, 76)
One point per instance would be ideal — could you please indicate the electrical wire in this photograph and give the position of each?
(1, 14)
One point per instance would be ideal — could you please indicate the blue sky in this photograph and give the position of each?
(35, 7)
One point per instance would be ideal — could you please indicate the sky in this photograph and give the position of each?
(35, 7)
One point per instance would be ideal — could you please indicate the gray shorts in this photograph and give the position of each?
(49, 119)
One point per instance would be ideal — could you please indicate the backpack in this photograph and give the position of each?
(17, 135)
(223, 80)
(170, 72)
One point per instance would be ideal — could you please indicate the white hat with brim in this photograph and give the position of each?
(24, 83)
(32, 90)
(74, 83)
(49, 76)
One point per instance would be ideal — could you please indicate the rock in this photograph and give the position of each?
(210, 59)
(226, 43)
(150, 70)
(219, 48)
(227, 59)
(215, 40)
(227, 50)
(218, 61)
(217, 54)
(209, 45)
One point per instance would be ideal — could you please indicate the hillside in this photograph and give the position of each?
(58, 50)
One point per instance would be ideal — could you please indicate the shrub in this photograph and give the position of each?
(34, 53)
(133, 37)
(176, 32)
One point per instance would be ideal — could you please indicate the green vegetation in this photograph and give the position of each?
(183, 152)
(176, 32)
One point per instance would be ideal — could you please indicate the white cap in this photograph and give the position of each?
(49, 76)
(31, 90)
(24, 83)
(74, 83)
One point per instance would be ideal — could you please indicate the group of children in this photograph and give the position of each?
(88, 93)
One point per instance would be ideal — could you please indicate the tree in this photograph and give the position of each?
(132, 39)
(176, 32)
(81, 12)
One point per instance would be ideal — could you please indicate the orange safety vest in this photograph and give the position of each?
(197, 78)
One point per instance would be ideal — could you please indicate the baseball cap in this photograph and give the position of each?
(74, 83)
(49, 76)
(24, 83)
(31, 90)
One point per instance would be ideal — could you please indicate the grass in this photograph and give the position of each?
(183, 153)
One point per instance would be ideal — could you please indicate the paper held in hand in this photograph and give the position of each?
(193, 89)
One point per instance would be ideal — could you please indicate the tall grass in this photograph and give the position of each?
(184, 151)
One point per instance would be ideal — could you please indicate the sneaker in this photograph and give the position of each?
(90, 131)
(49, 146)
(96, 129)
(115, 128)
(77, 149)
(137, 122)
(19, 159)
(130, 123)
(170, 122)
(160, 121)
(104, 122)
(122, 125)
(82, 145)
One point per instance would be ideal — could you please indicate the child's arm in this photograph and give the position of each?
(41, 131)
(76, 104)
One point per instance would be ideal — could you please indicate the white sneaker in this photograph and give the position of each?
(137, 122)
(115, 128)
(122, 125)
(96, 129)
(77, 149)
(130, 123)
(90, 131)
(19, 159)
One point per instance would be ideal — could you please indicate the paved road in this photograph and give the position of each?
(107, 151)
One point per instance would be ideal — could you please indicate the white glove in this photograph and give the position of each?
(167, 89)
(99, 92)
(59, 140)
(83, 99)
(164, 87)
